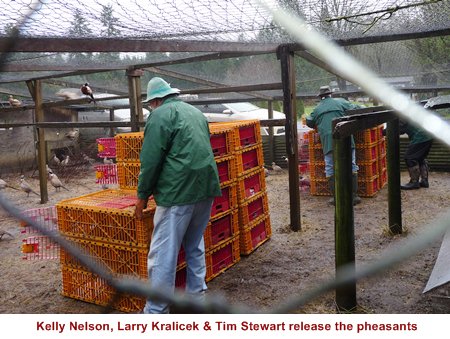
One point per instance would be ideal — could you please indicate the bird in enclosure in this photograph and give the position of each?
(65, 162)
(266, 172)
(87, 90)
(2, 233)
(277, 169)
(4, 184)
(107, 161)
(49, 170)
(87, 158)
(55, 160)
(14, 102)
(285, 158)
(56, 183)
(73, 134)
(24, 186)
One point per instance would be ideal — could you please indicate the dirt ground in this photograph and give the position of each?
(289, 264)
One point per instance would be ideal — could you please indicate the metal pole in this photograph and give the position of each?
(393, 174)
(286, 58)
(111, 118)
(344, 221)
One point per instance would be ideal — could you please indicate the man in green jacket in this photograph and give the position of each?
(321, 118)
(178, 169)
(415, 156)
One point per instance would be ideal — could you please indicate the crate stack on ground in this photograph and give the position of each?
(102, 225)
(254, 220)
(370, 156)
(106, 174)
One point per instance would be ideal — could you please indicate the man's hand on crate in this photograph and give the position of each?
(141, 205)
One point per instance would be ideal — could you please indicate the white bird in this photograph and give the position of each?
(87, 158)
(14, 102)
(73, 134)
(266, 172)
(2, 233)
(4, 184)
(65, 162)
(56, 183)
(67, 95)
(55, 160)
(276, 168)
(285, 158)
(107, 161)
(24, 186)
(49, 170)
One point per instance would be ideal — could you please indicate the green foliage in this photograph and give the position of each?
(79, 27)
(109, 21)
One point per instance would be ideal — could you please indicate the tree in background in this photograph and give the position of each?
(109, 22)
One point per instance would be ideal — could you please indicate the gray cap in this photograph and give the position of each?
(324, 90)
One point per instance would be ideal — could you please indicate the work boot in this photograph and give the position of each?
(331, 187)
(414, 173)
(356, 199)
(424, 175)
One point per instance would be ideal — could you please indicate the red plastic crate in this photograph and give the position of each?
(250, 159)
(227, 168)
(39, 248)
(227, 201)
(382, 147)
(253, 208)
(248, 133)
(106, 147)
(255, 234)
(222, 257)
(106, 174)
(382, 165)
(222, 139)
(221, 229)
(251, 184)
(46, 217)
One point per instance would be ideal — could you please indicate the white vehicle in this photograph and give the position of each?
(240, 111)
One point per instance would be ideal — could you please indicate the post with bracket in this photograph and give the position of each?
(134, 92)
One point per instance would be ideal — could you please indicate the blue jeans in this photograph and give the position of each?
(329, 165)
(175, 226)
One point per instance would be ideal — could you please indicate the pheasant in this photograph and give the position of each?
(24, 186)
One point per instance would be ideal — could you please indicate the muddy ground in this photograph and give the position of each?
(289, 264)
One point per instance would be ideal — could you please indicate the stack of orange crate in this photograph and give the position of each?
(103, 226)
(370, 157)
(254, 220)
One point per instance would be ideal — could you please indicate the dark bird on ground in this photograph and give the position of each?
(24, 186)
(2, 233)
(86, 90)
(14, 102)
(56, 183)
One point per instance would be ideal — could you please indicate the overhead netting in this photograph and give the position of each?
(219, 20)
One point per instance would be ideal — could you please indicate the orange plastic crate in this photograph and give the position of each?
(319, 187)
(382, 147)
(251, 184)
(128, 146)
(106, 216)
(367, 136)
(227, 168)
(86, 286)
(255, 234)
(317, 170)
(367, 153)
(382, 179)
(253, 208)
(128, 174)
(227, 201)
(222, 257)
(122, 260)
(368, 169)
(313, 138)
(221, 228)
(368, 187)
(382, 165)
(249, 159)
(316, 154)
(222, 139)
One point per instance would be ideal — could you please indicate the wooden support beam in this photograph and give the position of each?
(286, 58)
(393, 173)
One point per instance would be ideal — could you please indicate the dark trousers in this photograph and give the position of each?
(416, 153)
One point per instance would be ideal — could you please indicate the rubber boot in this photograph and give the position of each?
(331, 187)
(424, 175)
(414, 173)
(356, 199)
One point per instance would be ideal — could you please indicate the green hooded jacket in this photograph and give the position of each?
(415, 134)
(322, 116)
(177, 163)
